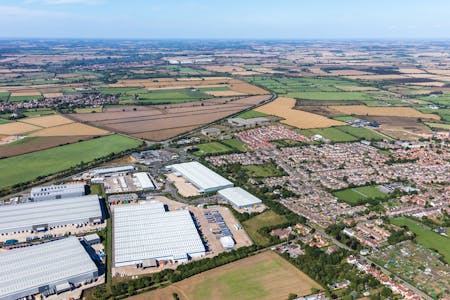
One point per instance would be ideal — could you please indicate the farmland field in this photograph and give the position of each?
(426, 237)
(353, 196)
(382, 111)
(284, 108)
(265, 276)
(329, 95)
(29, 166)
(265, 219)
(439, 125)
(163, 96)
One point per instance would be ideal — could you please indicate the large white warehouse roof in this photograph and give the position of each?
(49, 213)
(145, 231)
(49, 192)
(203, 178)
(239, 197)
(25, 271)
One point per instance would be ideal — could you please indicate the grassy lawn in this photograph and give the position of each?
(353, 196)
(265, 219)
(438, 125)
(252, 114)
(344, 118)
(331, 133)
(211, 148)
(260, 277)
(235, 144)
(362, 133)
(263, 170)
(425, 237)
(29, 166)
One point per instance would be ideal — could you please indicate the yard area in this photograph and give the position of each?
(211, 148)
(265, 219)
(263, 276)
(263, 170)
(355, 196)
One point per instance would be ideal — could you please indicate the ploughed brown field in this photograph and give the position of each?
(28, 145)
(161, 122)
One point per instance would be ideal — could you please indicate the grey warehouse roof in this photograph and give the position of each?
(52, 212)
(145, 231)
(202, 177)
(239, 197)
(54, 190)
(25, 270)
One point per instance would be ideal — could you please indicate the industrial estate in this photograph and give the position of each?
(252, 170)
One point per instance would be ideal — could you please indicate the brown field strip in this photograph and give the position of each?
(47, 121)
(382, 111)
(72, 129)
(165, 121)
(264, 276)
(284, 108)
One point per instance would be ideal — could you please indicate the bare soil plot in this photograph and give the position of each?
(383, 111)
(402, 128)
(47, 121)
(224, 93)
(265, 276)
(25, 93)
(160, 122)
(349, 88)
(28, 145)
(53, 95)
(284, 108)
(72, 129)
(16, 128)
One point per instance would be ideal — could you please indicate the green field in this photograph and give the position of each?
(4, 96)
(443, 99)
(235, 144)
(344, 118)
(362, 133)
(330, 95)
(29, 166)
(425, 237)
(24, 98)
(252, 114)
(265, 219)
(438, 125)
(331, 133)
(355, 196)
(3, 121)
(263, 170)
(163, 96)
(39, 112)
(121, 90)
(211, 148)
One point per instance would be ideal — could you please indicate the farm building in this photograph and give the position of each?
(60, 191)
(201, 177)
(144, 181)
(106, 171)
(239, 198)
(45, 269)
(148, 231)
(40, 216)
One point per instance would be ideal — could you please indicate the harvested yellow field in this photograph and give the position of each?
(53, 95)
(224, 93)
(48, 121)
(377, 77)
(349, 88)
(16, 128)
(362, 110)
(25, 93)
(70, 130)
(440, 72)
(431, 83)
(411, 71)
(284, 108)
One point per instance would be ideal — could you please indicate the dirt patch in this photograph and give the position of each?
(400, 127)
(283, 107)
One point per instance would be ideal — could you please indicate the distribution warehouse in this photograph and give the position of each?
(147, 231)
(239, 198)
(204, 179)
(50, 192)
(40, 216)
(45, 269)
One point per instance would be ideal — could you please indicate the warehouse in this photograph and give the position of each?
(60, 191)
(144, 181)
(41, 216)
(106, 171)
(201, 177)
(45, 269)
(147, 231)
(240, 198)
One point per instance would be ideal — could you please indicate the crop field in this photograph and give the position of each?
(362, 133)
(265, 219)
(211, 148)
(265, 276)
(160, 122)
(439, 125)
(444, 113)
(443, 99)
(334, 134)
(4, 96)
(338, 96)
(144, 96)
(29, 166)
(284, 108)
(353, 196)
(362, 110)
(47, 121)
(426, 237)
(263, 170)
(14, 128)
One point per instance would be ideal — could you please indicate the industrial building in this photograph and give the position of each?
(45, 269)
(147, 231)
(201, 177)
(239, 198)
(248, 123)
(43, 215)
(106, 171)
(144, 181)
(50, 192)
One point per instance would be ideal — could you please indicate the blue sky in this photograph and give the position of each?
(243, 19)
